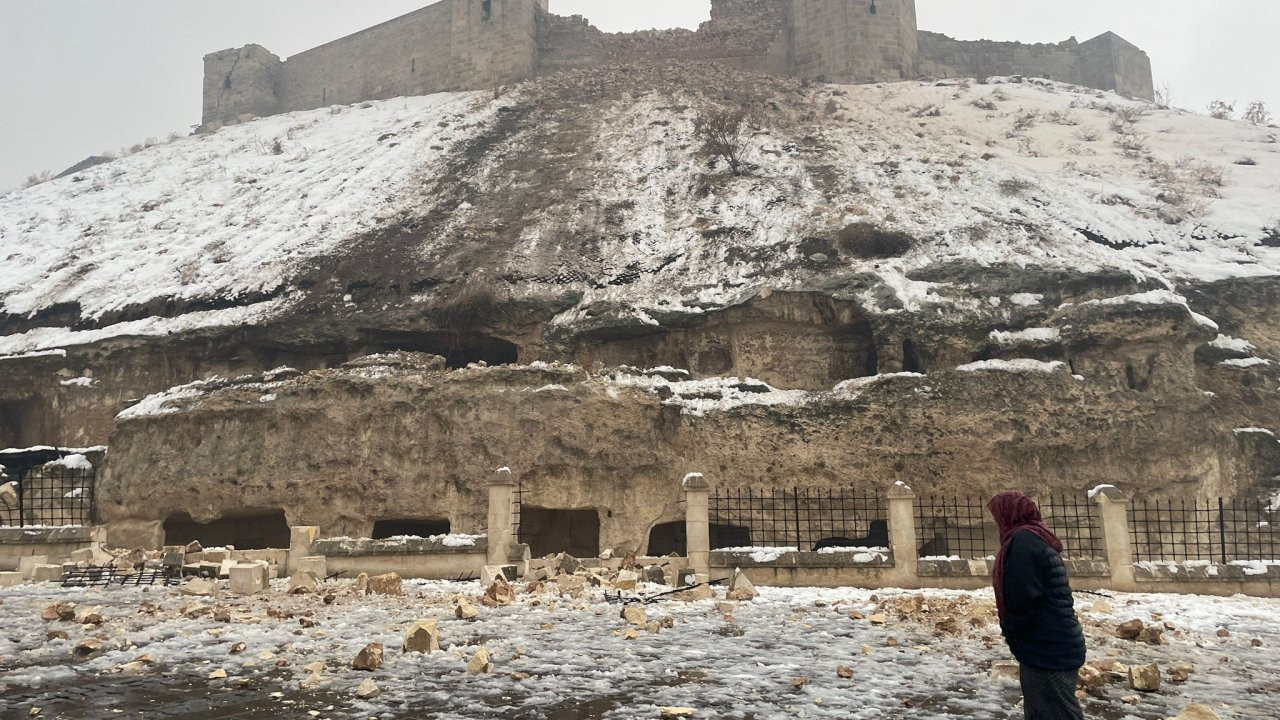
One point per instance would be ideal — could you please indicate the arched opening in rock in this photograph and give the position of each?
(383, 529)
(667, 538)
(459, 349)
(243, 530)
(911, 357)
(549, 530)
(729, 536)
(25, 423)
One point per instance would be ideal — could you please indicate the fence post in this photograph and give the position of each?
(1113, 510)
(501, 516)
(697, 522)
(902, 533)
(302, 540)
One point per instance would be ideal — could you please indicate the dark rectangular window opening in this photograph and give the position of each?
(383, 529)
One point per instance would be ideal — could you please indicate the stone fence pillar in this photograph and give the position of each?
(1113, 509)
(502, 497)
(902, 534)
(302, 540)
(697, 522)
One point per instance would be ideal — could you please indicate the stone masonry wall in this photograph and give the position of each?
(845, 42)
(1106, 62)
(450, 45)
(478, 44)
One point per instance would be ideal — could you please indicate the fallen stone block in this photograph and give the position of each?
(1001, 669)
(368, 690)
(27, 564)
(368, 659)
(626, 580)
(480, 663)
(10, 579)
(388, 584)
(635, 615)
(490, 573)
(1129, 630)
(46, 573)
(1145, 678)
(201, 586)
(465, 611)
(361, 584)
(64, 611)
(567, 564)
(303, 581)
(500, 593)
(740, 588)
(317, 565)
(1196, 711)
(249, 578)
(423, 637)
(655, 574)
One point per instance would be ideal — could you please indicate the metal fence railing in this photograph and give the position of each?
(801, 518)
(48, 496)
(1078, 523)
(955, 526)
(1215, 530)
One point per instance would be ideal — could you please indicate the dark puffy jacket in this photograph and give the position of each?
(1040, 619)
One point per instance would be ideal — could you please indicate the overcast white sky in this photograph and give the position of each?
(84, 76)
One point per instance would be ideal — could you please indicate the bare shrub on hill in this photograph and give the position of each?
(1257, 113)
(1222, 110)
(723, 134)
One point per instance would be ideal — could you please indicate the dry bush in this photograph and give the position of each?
(868, 242)
(1222, 110)
(984, 103)
(1088, 135)
(1257, 113)
(1133, 145)
(1014, 187)
(39, 178)
(1128, 115)
(1022, 122)
(723, 134)
(1062, 117)
(1164, 96)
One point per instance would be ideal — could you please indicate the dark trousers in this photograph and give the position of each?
(1049, 695)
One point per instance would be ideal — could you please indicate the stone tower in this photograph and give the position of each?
(853, 41)
(241, 82)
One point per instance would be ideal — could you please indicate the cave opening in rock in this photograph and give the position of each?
(667, 538)
(383, 529)
(729, 536)
(911, 357)
(459, 349)
(24, 423)
(259, 529)
(550, 530)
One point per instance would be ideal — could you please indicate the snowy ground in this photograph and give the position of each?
(566, 657)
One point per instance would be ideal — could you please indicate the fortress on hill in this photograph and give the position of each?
(477, 44)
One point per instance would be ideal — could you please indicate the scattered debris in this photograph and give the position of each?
(368, 659)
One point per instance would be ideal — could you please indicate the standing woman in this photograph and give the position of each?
(1037, 611)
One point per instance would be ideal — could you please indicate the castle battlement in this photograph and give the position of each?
(478, 44)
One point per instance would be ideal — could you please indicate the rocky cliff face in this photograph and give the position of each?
(1085, 285)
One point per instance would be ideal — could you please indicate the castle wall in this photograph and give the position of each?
(844, 42)
(1107, 62)
(450, 45)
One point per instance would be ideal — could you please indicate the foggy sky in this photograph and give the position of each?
(85, 76)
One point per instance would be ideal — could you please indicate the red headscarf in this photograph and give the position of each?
(1015, 512)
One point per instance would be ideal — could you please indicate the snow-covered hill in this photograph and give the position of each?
(597, 184)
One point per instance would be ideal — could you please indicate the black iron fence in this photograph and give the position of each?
(52, 495)
(955, 526)
(1078, 523)
(1217, 531)
(805, 519)
(960, 526)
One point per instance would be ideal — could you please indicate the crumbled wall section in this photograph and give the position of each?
(1107, 62)
(240, 82)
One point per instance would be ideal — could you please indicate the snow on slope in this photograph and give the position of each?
(1023, 174)
(222, 215)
